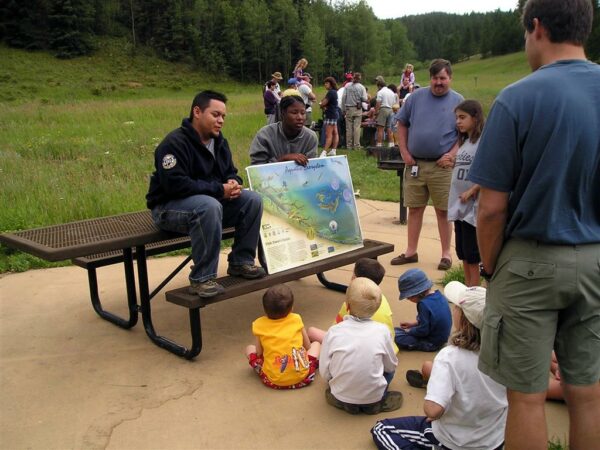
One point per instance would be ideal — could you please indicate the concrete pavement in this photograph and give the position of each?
(72, 380)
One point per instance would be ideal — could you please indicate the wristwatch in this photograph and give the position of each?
(483, 274)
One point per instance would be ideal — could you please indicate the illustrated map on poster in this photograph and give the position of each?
(309, 212)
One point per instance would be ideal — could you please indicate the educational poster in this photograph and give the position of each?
(309, 212)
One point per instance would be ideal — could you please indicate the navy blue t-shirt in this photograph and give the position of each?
(435, 319)
(541, 144)
(331, 110)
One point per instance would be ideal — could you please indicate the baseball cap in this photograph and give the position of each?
(292, 81)
(470, 299)
(413, 282)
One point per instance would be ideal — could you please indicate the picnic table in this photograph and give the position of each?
(127, 237)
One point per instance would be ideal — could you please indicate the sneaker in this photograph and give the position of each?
(331, 152)
(247, 271)
(350, 409)
(392, 401)
(415, 379)
(323, 154)
(205, 289)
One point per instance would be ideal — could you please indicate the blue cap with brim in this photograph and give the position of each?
(413, 282)
(293, 81)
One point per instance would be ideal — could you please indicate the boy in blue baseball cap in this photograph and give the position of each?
(431, 330)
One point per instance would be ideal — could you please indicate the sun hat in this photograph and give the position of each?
(292, 81)
(380, 79)
(277, 76)
(470, 299)
(413, 282)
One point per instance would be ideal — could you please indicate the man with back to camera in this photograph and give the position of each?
(287, 140)
(538, 228)
(195, 190)
(428, 142)
(353, 97)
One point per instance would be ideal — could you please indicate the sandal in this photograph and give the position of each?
(444, 264)
(403, 259)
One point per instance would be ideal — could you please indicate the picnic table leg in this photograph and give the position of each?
(146, 309)
(331, 284)
(403, 218)
(131, 295)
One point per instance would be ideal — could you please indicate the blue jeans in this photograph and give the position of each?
(203, 218)
(407, 342)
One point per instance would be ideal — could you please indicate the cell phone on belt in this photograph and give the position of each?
(414, 171)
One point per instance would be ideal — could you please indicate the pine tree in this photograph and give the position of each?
(71, 23)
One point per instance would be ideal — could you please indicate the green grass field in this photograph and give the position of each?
(77, 136)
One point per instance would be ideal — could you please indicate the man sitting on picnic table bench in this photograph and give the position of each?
(195, 190)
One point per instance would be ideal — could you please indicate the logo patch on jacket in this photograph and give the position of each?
(169, 161)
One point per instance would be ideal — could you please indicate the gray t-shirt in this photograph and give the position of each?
(270, 143)
(430, 121)
(541, 144)
(458, 210)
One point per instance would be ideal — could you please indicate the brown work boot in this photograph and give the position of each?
(248, 271)
(205, 289)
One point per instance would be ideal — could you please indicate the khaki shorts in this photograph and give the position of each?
(432, 180)
(543, 297)
(383, 116)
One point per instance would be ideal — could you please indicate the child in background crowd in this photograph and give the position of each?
(464, 408)
(299, 70)
(407, 81)
(430, 331)
(357, 358)
(462, 199)
(374, 271)
(283, 357)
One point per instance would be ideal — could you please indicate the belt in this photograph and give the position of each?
(426, 159)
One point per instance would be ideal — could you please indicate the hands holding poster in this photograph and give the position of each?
(309, 212)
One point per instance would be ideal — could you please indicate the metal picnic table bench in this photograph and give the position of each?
(122, 238)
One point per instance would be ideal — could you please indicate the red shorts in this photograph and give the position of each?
(256, 363)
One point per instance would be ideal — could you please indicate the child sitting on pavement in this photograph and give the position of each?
(283, 357)
(374, 271)
(430, 331)
(464, 408)
(357, 358)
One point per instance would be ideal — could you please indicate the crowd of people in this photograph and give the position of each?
(521, 190)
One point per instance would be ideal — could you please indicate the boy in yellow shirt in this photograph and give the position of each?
(283, 357)
(374, 271)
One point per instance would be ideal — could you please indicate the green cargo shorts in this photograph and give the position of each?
(542, 297)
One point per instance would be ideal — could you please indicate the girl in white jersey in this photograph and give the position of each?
(462, 199)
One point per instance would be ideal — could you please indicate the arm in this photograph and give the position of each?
(402, 138)
(407, 325)
(305, 339)
(448, 158)
(432, 410)
(260, 150)
(469, 193)
(259, 347)
(491, 221)
(423, 327)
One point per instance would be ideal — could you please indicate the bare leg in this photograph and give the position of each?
(426, 369)
(526, 422)
(315, 334)
(314, 350)
(471, 274)
(555, 390)
(249, 350)
(335, 136)
(583, 403)
(328, 136)
(415, 223)
(379, 135)
(445, 230)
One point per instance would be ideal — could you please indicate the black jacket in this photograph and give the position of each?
(183, 167)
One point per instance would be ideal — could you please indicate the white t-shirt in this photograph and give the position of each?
(386, 97)
(458, 210)
(354, 355)
(475, 405)
(305, 91)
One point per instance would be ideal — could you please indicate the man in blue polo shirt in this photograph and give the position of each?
(428, 142)
(538, 228)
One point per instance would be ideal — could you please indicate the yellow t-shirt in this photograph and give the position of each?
(290, 91)
(285, 358)
(382, 315)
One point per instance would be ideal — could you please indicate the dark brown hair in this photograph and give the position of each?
(437, 65)
(474, 109)
(565, 20)
(278, 301)
(202, 100)
(332, 82)
(369, 268)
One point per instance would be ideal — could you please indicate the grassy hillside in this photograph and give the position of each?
(77, 137)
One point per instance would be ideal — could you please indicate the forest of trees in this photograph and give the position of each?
(249, 39)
